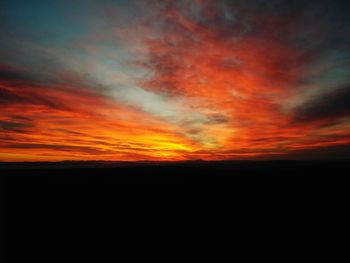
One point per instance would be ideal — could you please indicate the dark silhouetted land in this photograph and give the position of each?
(87, 195)
(192, 172)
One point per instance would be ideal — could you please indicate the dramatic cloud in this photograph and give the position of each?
(173, 80)
(333, 104)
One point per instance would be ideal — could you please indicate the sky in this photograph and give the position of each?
(135, 80)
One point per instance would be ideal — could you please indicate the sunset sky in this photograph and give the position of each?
(174, 80)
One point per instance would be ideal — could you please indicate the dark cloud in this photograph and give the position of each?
(336, 152)
(8, 97)
(217, 119)
(68, 132)
(64, 148)
(20, 118)
(275, 139)
(333, 104)
(194, 131)
(14, 126)
(12, 76)
(12, 97)
(8, 75)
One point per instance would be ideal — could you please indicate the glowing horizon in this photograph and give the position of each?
(173, 80)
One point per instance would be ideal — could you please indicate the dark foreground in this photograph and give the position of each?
(63, 201)
(120, 183)
(234, 175)
(191, 171)
(226, 184)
